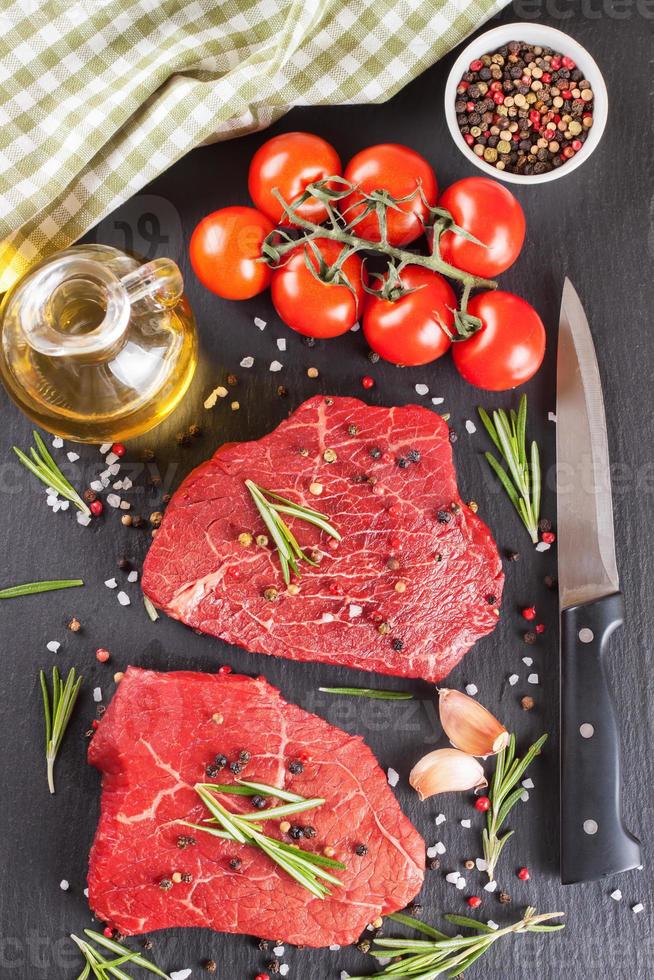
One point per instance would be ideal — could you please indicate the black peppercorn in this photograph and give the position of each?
(258, 802)
(296, 832)
(273, 966)
(209, 966)
(235, 863)
(244, 756)
(309, 832)
(295, 767)
(413, 456)
(504, 898)
(529, 637)
(444, 517)
(402, 462)
(361, 850)
(397, 644)
(434, 864)
(376, 453)
(147, 943)
(165, 884)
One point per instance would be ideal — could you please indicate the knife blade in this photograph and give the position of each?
(594, 840)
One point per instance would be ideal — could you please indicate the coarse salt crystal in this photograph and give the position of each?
(96, 485)
(422, 389)
(133, 576)
(281, 343)
(283, 970)
(334, 948)
(470, 427)
(472, 689)
(437, 401)
(118, 485)
(125, 505)
(97, 694)
(114, 469)
(532, 679)
(638, 907)
(123, 598)
(105, 447)
(393, 777)
(111, 458)
(57, 442)
(83, 519)
(210, 400)
(527, 661)
(491, 886)
(327, 618)
(528, 783)
(180, 974)
(56, 505)
(525, 796)
(127, 483)
(53, 645)
(111, 583)
(441, 818)
(63, 884)
(551, 416)
(345, 975)
(355, 611)
(432, 852)
(453, 877)
(481, 864)
(466, 823)
(543, 546)
(461, 883)
(276, 366)
(440, 847)
(261, 324)
(113, 500)
(279, 950)
(616, 895)
(357, 326)
(492, 925)
(247, 362)
(86, 893)
(513, 679)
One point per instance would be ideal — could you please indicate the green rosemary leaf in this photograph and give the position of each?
(522, 426)
(508, 804)
(535, 480)
(417, 924)
(265, 790)
(115, 947)
(313, 858)
(369, 692)
(504, 480)
(57, 712)
(277, 812)
(44, 468)
(150, 609)
(32, 588)
(467, 923)
(488, 425)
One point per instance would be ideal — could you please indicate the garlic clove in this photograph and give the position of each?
(469, 725)
(446, 771)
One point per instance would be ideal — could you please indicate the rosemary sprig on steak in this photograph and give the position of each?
(504, 793)
(425, 959)
(377, 694)
(103, 969)
(288, 549)
(57, 713)
(523, 480)
(307, 868)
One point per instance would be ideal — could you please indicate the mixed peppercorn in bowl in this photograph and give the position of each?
(526, 103)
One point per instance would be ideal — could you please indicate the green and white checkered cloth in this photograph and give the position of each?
(97, 97)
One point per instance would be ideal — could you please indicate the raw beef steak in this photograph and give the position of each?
(155, 742)
(414, 583)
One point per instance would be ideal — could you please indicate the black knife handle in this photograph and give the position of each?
(594, 840)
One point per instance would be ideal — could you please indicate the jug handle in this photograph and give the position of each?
(154, 287)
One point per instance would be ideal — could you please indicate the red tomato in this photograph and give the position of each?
(410, 330)
(491, 213)
(312, 307)
(290, 162)
(509, 348)
(398, 170)
(224, 250)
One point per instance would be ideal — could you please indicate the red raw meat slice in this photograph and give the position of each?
(415, 582)
(153, 745)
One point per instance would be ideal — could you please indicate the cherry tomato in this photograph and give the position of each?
(290, 162)
(224, 249)
(312, 307)
(409, 331)
(491, 213)
(400, 171)
(508, 349)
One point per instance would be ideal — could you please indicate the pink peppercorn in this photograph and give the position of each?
(367, 381)
(96, 508)
(549, 537)
(476, 65)
(102, 655)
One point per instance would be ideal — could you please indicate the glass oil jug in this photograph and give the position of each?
(96, 347)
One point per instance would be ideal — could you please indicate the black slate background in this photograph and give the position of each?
(596, 226)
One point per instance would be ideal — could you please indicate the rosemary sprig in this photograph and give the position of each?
(504, 795)
(57, 713)
(369, 692)
(32, 588)
(307, 868)
(103, 969)
(424, 959)
(44, 468)
(288, 549)
(522, 482)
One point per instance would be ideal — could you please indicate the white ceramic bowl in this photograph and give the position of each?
(547, 37)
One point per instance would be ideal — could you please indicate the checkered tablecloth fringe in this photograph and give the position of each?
(97, 97)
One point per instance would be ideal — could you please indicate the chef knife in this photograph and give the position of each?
(594, 840)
